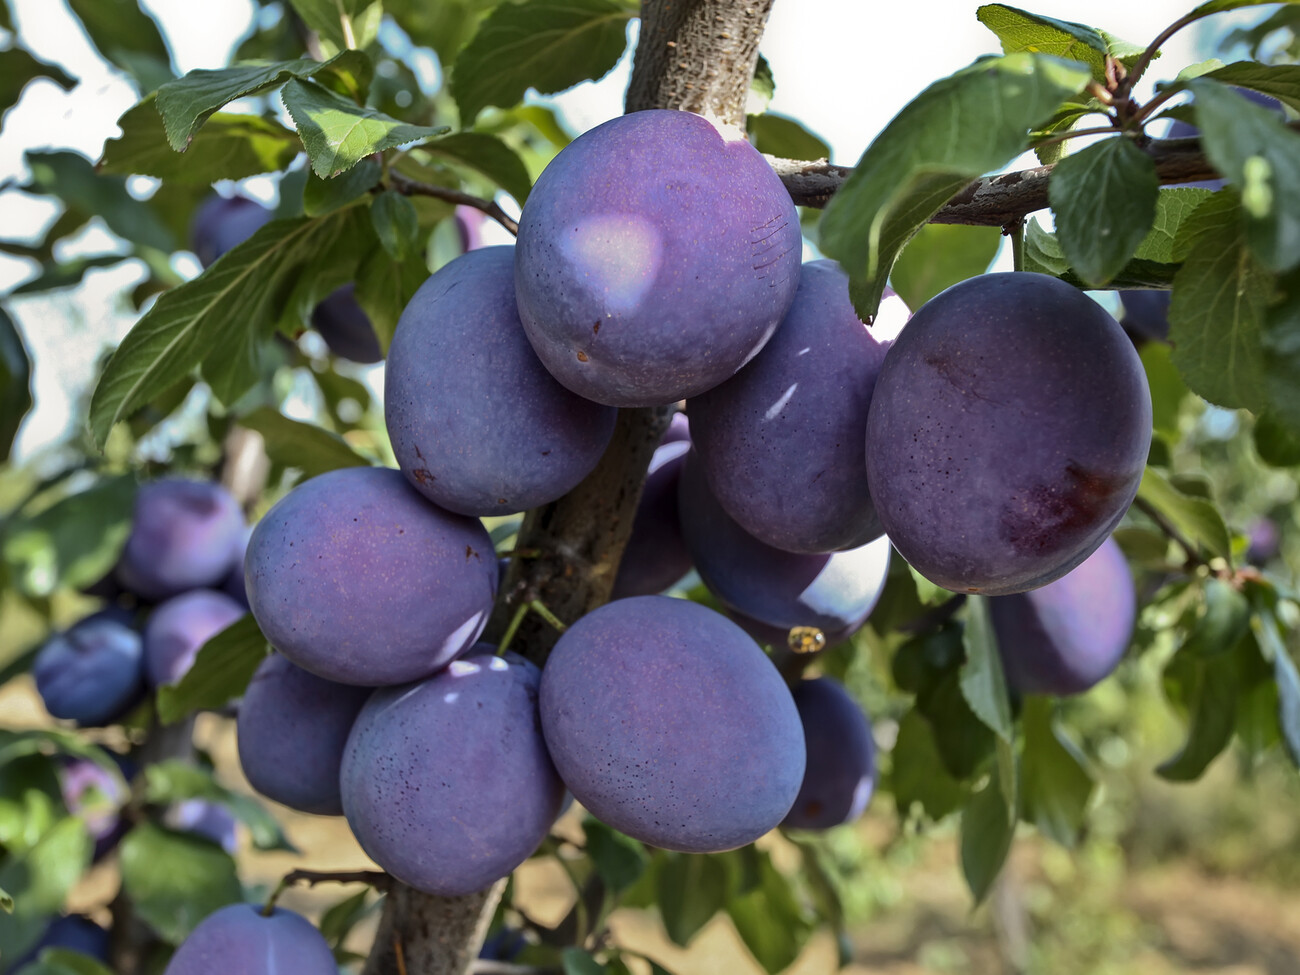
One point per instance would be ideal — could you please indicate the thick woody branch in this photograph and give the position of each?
(697, 56)
(991, 201)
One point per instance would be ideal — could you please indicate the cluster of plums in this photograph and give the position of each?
(659, 260)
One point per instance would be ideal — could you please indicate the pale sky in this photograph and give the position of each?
(843, 67)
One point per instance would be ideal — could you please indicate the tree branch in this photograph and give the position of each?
(991, 201)
(413, 187)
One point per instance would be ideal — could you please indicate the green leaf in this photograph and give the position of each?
(1223, 620)
(175, 880)
(762, 87)
(1197, 520)
(1019, 30)
(488, 155)
(784, 137)
(6, 901)
(1277, 444)
(1207, 686)
(63, 961)
(1255, 151)
(39, 881)
(174, 780)
(619, 860)
(338, 134)
(1167, 387)
(1281, 81)
(15, 383)
(325, 17)
(1281, 343)
(987, 828)
(73, 542)
(385, 287)
(306, 446)
(691, 889)
(918, 775)
(1174, 206)
(1265, 627)
(73, 179)
(982, 681)
(939, 256)
(122, 32)
(222, 669)
(322, 196)
(1218, 6)
(963, 740)
(339, 919)
(228, 147)
(396, 224)
(771, 921)
(1055, 784)
(221, 317)
(579, 962)
(548, 45)
(1104, 200)
(1043, 254)
(959, 128)
(1217, 312)
(18, 67)
(188, 102)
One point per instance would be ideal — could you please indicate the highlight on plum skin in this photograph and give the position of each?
(668, 723)
(1070, 634)
(834, 592)
(841, 773)
(358, 579)
(477, 424)
(1008, 432)
(446, 782)
(291, 731)
(655, 257)
(783, 442)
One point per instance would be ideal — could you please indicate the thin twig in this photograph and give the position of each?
(375, 878)
(399, 955)
(1194, 558)
(1143, 62)
(485, 966)
(413, 187)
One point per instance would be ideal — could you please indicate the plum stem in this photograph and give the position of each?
(1015, 232)
(512, 629)
(539, 607)
(1194, 558)
(413, 187)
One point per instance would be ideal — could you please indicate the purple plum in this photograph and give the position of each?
(345, 327)
(834, 592)
(670, 724)
(783, 442)
(1008, 432)
(1265, 541)
(841, 772)
(469, 227)
(74, 932)
(355, 577)
(211, 820)
(96, 797)
(1068, 635)
(292, 728)
(478, 425)
(1146, 313)
(178, 628)
(223, 222)
(184, 534)
(240, 938)
(656, 554)
(446, 782)
(92, 673)
(655, 257)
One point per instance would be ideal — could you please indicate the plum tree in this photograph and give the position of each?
(783, 442)
(292, 727)
(184, 534)
(447, 783)
(345, 327)
(355, 553)
(179, 627)
(656, 255)
(834, 592)
(1066, 636)
(668, 723)
(92, 672)
(478, 426)
(841, 767)
(242, 938)
(997, 459)
(656, 554)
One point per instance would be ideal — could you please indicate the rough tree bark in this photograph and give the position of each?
(695, 55)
